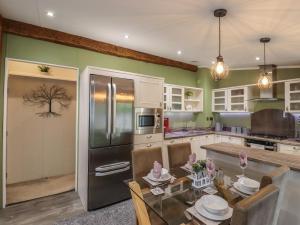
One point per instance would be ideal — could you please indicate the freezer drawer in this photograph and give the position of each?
(109, 155)
(108, 188)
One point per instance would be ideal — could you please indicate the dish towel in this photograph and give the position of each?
(195, 214)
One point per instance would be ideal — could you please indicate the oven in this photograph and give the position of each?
(261, 144)
(148, 120)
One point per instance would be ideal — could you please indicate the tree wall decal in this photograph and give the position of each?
(47, 95)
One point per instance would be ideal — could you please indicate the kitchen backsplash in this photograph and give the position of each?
(181, 120)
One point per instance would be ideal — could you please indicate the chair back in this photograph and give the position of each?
(257, 209)
(143, 159)
(278, 177)
(179, 154)
(138, 203)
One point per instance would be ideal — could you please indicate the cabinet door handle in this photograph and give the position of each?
(172, 141)
(149, 136)
(191, 139)
(149, 145)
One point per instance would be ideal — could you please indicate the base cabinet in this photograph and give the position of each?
(289, 149)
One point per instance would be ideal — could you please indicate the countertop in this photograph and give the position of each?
(196, 132)
(268, 157)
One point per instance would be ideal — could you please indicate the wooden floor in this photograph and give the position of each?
(29, 190)
(43, 211)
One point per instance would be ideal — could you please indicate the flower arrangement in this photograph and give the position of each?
(202, 173)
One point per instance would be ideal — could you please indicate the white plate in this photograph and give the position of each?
(249, 184)
(164, 177)
(240, 188)
(200, 209)
(215, 204)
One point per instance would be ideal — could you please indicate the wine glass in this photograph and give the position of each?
(211, 170)
(243, 161)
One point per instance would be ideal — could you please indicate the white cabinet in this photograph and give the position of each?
(173, 98)
(182, 98)
(231, 100)
(218, 138)
(149, 92)
(148, 145)
(205, 140)
(292, 96)
(219, 100)
(289, 149)
(232, 140)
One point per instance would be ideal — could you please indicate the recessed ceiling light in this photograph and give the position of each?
(50, 13)
(257, 58)
(126, 36)
(179, 52)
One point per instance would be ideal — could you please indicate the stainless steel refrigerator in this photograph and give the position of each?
(111, 116)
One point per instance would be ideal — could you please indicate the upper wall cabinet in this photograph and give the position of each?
(183, 99)
(231, 100)
(149, 92)
(292, 96)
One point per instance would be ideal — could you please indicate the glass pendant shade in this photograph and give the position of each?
(264, 81)
(219, 70)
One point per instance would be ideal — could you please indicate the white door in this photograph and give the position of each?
(219, 100)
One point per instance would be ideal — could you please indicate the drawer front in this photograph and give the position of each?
(148, 145)
(289, 149)
(190, 139)
(147, 138)
(218, 138)
(173, 141)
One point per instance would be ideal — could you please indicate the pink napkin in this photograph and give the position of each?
(192, 159)
(157, 167)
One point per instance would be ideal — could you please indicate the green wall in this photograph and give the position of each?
(36, 50)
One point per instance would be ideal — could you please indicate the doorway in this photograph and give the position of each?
(41, 115)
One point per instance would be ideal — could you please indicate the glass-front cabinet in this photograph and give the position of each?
(183, 99)
(231, 100)
(219, 103)
(173, 98)
(237, 99)
(292, 96)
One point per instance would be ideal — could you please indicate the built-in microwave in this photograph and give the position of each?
(148, 120)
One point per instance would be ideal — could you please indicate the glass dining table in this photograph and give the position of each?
(171, 206)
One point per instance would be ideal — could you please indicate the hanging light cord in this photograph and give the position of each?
(219, 36)
(264, 58)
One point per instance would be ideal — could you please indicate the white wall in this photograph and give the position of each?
(38, 147)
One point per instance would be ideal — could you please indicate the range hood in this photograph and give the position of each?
(269, 94)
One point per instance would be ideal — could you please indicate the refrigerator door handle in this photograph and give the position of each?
(102, 174)
(109, 110)
(114, 87)
(112, 166)
(93, 103)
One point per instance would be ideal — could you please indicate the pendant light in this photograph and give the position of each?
(219, 70)
(264, 81)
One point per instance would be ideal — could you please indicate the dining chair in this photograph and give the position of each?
(179, 154)
(277, 177)
(140, 208)
(143, 159)
(257, 209)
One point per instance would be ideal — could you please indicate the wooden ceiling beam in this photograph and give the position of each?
(42, 33)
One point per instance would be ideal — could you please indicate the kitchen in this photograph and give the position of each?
(131, 100)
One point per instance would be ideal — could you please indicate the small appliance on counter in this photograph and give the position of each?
(218, 127)
(167, 125)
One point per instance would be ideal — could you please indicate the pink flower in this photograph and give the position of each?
(192, 158)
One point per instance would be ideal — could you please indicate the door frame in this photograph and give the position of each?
(4, 163)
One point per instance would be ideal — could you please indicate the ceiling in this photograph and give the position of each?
(164, 27)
